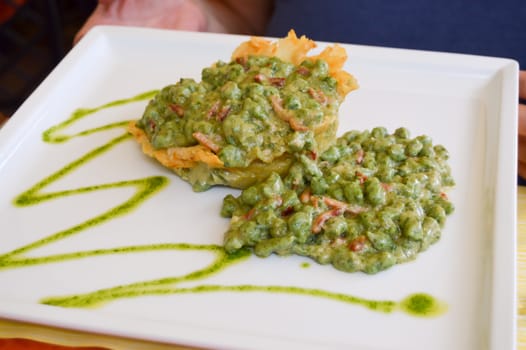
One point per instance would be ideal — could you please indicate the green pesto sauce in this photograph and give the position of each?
(368, 202)
(52, 134)
(423, 305)
(254, 109)
(418, 304)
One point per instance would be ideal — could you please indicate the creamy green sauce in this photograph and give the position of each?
(254, 109)
(417, 304)
(370, 201)
(232, 105)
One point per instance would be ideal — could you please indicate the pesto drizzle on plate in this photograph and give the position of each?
(419, 304)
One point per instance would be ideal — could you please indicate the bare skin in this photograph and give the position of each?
(228, 16)
(233, 16)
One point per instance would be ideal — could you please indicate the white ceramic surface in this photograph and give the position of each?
(466, 103)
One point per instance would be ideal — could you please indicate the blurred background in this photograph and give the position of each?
(34, 36)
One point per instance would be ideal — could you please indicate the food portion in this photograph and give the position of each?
(370, 201)
(266, 122)
(246, 118)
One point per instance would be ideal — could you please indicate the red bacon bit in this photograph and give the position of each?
(212, 112)
(279, 82)
(206, 141)
(259, 78)
(313, 155)
(278, 201)
(152, 125)
(178, 109)
(303, 70)
(223, 113)
(287, 211)
(443, 195)
(386, 187)
(359, 156)
(318, 95)
(361, 176)
(305, 196)
(314, 201)
(296, 125)
(337, 242)
(286, 115)
(331, 202)
(320, 220)
(358, 243)
(243, 62)
(334, 203)
(249, 214)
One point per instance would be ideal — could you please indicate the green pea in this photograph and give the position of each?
(252, 232)
(229, 206)
(273, 186)
(438, 213)
(397, 152)
(431, 231)
(276, 244)
(380, 241)
(278, 228)
(352, 192)
(292, 102)
(441, 152)
(232, 156)
(374, 192)
(414, 186)
(402, 133)
(380, 262)
(233, 241)
(354, 228)
(297, 141)
(425, 140)
(411, 226)
(345, 260)
(290, 199)
(413, 148)
(295, 176)
(319, 185)
(386, 174)
(336, 191)
(379, 132)
(300, 224)
(448, 206)
(351, 136)
(334, 227)
(250, 196)
(320, 68)
(257, 110)
(332, 154)
(230, 91)
(310, 167)
(369, 160)
(427, 151)
(265, 218)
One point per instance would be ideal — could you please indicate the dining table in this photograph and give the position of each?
(16, 335)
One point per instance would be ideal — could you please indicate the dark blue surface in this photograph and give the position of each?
(483, 27)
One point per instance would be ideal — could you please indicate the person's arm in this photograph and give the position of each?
(237, 16)
(228, 16)
(522, 125)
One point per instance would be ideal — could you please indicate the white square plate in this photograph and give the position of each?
(465, 103)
